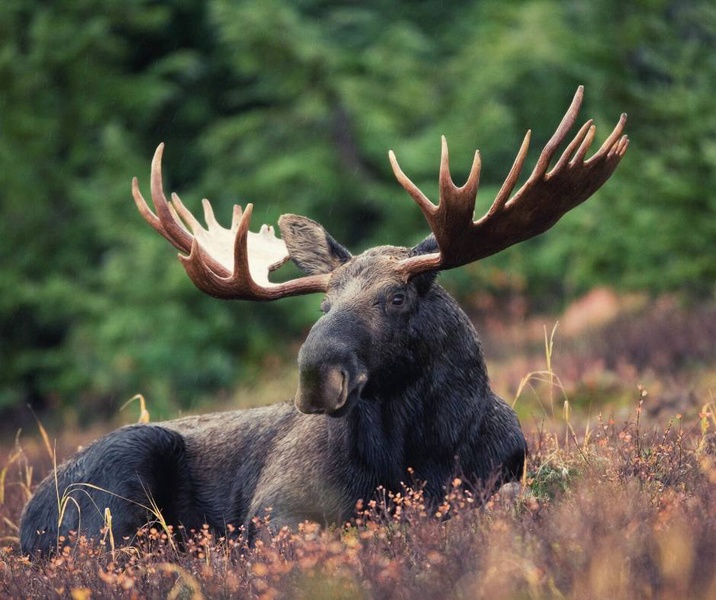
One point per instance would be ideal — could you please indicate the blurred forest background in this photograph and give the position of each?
(293, 105)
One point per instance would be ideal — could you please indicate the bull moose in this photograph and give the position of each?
(392, 378)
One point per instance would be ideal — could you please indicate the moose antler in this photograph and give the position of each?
(226, 263)
(533, 209)
(234, 263)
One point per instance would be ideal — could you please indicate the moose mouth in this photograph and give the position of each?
(329, 390)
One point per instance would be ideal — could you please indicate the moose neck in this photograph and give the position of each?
(418, 411)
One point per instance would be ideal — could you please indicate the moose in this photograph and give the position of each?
(392, 387)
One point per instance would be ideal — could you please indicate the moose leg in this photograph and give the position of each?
(129, 474)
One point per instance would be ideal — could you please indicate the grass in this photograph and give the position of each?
(626, 513)
(619, 501)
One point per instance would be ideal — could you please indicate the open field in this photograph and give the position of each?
(619, 499)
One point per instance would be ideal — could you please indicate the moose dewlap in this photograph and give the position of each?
(392, 381)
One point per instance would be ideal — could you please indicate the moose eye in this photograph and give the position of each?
(397, 299)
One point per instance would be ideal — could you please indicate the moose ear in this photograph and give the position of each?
(310, 246)
(428, 246)
(425, 281)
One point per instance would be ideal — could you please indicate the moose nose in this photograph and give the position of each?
(322, 389)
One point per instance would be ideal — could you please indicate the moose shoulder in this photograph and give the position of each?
(392, 380)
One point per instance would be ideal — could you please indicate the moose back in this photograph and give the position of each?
(392, 378)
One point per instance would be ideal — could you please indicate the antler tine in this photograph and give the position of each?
(543, 199)
(585, 145)
(456, 206)
(613, 143)
(225, 263)
(209, 214)
(184, 214)
(173, 230)
(149, 216)
(567, 122)
(463, 198)
(577, 147)
(557, 138)
(421, 199)
(144, 209)
(241, 247)
(511, 180)
(620, 147)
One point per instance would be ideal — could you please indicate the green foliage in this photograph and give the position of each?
(293, 106)
(653, 224)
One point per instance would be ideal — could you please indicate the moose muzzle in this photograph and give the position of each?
(322, 390)
(327, 389)
(332, 362)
